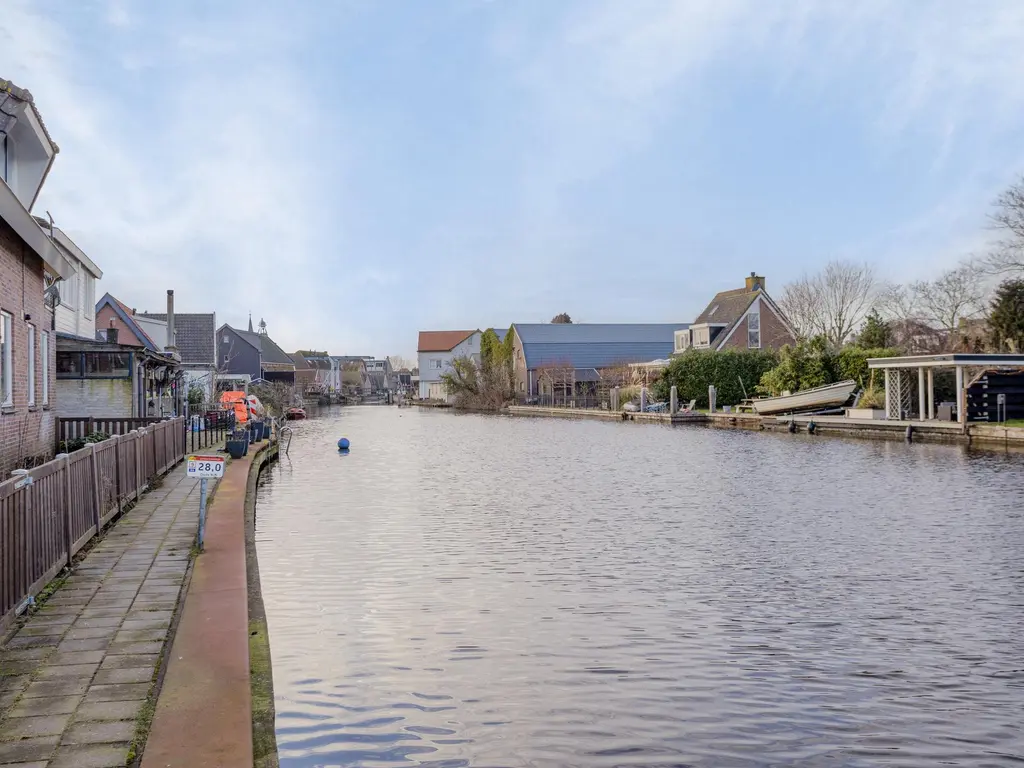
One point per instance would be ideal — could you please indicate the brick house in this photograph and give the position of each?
(743, 318)
(30, 264)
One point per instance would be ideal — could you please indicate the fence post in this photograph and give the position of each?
(136, 461)
(65, 467)
(97, 509)
(117, 471)
(90, 424)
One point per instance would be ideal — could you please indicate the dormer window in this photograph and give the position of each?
(26, 150)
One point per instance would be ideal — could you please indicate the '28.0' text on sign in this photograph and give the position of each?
(205, 466)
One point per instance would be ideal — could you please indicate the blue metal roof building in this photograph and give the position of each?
(589, 347)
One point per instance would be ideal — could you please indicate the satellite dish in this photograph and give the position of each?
(51, 296)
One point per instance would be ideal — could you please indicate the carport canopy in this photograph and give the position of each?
(925, 366)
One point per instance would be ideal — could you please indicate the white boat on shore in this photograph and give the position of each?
(829, 396)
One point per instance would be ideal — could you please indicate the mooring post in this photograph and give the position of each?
(673, 400)
(712, 397)
(643, 399)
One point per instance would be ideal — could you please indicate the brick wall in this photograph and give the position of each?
(94, 397)
(25, 433)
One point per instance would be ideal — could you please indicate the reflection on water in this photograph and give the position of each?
(486, 591)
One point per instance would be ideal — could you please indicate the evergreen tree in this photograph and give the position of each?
(875, 333)
(1006, 323)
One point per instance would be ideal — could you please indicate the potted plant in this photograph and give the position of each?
(871, 404)
(238, 443)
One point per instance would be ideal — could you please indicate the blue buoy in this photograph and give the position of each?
(343, 444)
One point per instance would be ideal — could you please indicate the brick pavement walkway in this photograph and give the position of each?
(76, 676)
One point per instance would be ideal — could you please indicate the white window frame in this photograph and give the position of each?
(754, 328)
(436, 364)
(6, 361)
(44, 357)
(31, 329)
(69, 295)
(89, 298)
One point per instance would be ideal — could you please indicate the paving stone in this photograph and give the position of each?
(57, 610)
(27, 749)
(101, 612)
(32, 641)
(77, 671)
(55, 688)
(135, 648)
(24, 654)
(90, 633)
(92, 622)
(76, 657)
(17, 668)
(127, 661)
(13, 728)
(110, 710)
(126, 675)
(14, 683)
(90, 756)
(118, 692)
(99, 732)
(55, 705)
(130, 625)
(92, 644)
(140, 635)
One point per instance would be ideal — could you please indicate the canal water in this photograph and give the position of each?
(465, 590)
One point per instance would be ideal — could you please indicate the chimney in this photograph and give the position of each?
(171, 346)
(755, 282)
(112, 333)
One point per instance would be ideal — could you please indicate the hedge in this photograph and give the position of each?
(696, 369)
(812, 364)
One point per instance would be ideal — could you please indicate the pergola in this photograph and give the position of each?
(899, 379)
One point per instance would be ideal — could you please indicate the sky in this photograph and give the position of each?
(354, 171)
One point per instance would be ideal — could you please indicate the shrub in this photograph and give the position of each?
(695, 370)
(812, 363)
(70, 446)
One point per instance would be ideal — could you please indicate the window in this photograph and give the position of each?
(227, 359)
(702, 337)
(89, 300)
(435, 364)
(754, 330)
(69, 291)
(227, 339)
(44, 358)
(69, 365)
(106, 365)
(682, 340)
(6, 361)
(31, 364)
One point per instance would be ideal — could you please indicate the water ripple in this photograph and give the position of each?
(481, 591)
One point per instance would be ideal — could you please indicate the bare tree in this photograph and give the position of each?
(399, 363)
(832, 303)
(955, 295)
(1008, 220)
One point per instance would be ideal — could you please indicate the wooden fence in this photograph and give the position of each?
(49, 513)
(83, 426)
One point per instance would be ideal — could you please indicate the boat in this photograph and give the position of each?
(295, 413)
(829, 396)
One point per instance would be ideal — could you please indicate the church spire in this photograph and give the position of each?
(250, 322)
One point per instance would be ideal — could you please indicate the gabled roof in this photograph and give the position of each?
(301, 363)
(195, 335)
(595, 345)
(727, 307)
(441, 341)
(71, 247)
(269, 351)
(127, 316)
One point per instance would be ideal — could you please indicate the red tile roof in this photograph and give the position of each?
(441, 341)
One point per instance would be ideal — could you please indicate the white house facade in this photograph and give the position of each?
(436, 351)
